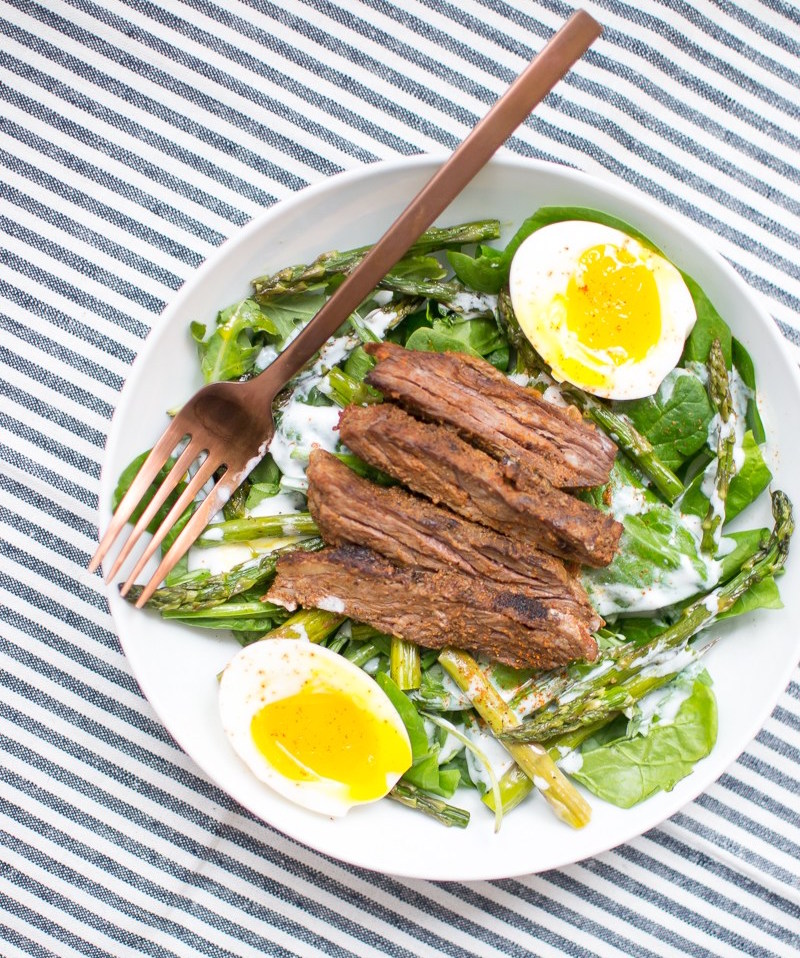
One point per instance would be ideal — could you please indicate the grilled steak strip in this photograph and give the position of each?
(411, 531)
(492, 412)
(435, 462)
(433, 609)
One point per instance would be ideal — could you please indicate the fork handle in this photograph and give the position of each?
(530, 87)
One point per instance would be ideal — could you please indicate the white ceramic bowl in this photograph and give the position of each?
(176, 666)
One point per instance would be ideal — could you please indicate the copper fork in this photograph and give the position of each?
(229, 425)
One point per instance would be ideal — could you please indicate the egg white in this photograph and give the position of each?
(540, 272)
(268, 671)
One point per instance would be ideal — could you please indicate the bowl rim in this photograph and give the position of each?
(173, 311)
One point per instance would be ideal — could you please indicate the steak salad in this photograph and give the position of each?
(526, 564)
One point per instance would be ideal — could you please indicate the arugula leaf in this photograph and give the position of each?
(288, 312)
(675, 419)
(419, 267)
(230, 351)
(476, 337)
(630, 769)
(746, 486)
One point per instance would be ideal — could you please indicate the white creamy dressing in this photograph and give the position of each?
(224, 557)
(711, 603)
(718, 431)
(555, 397)
(332, 353)
(673, 586)
(371, 667)
(496, 755)
(449, 749)
(382, 297)
(331, 603)
(661, 706)
(282, 504)
(741, 394)
(379, 321)
(667, 387)
(663, 660)
(628, 500)
(300, 632)
(470, 305)
(451, 746)
(302, 426)
(221, 558)
(698, 369)
(574, 690)
(726, 545)
(571, 762)
(266, 356)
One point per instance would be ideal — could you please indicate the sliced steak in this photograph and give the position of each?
(492, 412)
(432, 609)
(435, 462)
(411, 531)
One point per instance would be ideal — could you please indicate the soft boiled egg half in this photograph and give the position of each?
(312, 725)
(606, 313)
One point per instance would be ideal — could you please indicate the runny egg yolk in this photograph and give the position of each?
(612, 303)
(320, 733)
(603, 310)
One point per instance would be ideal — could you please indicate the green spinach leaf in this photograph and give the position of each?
(675, 419)
(407, 711)
(746, 486)
(630, 769)
(486, 272)
(708, 327)
(762, 595)
(744, 365)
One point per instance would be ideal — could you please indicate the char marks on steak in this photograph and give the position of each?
(411, 531)
(437, 463)
(492, 412)
(432, 609)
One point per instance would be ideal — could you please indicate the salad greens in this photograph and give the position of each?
(651, 753)
(632, 723)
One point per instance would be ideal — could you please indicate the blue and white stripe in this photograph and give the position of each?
(135, 136)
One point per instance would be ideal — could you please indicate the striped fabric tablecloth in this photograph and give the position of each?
(136, 135)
